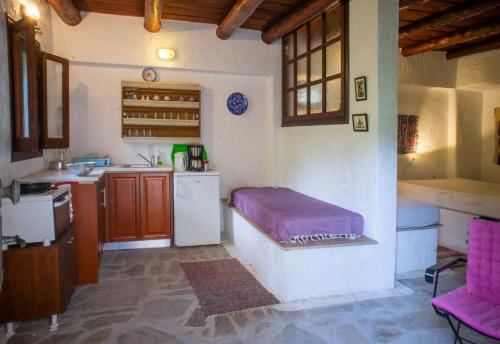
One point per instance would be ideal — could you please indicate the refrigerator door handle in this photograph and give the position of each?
(176, 187)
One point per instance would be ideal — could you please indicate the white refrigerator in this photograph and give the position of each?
(196, 208)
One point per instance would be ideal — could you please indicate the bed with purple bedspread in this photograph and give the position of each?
(290, 216)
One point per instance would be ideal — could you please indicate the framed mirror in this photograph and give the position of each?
(55, 101)
(24, 51)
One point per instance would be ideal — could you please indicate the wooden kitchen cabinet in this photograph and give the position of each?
(155, 205)
(38, 280)
(123, 207)
(139, 206)
(89, 223)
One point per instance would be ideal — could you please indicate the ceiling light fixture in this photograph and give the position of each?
(166, 53)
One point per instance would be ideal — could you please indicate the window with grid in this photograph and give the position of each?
(315, 71)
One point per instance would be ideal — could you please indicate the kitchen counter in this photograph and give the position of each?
(121, 169)
(51, 176)
(190, 173)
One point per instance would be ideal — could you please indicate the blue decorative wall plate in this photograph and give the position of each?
(237, 103)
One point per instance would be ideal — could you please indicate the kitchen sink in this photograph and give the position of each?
(135, 166)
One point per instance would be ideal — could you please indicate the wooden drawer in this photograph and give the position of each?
(38, 280)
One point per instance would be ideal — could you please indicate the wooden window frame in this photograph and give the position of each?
(47, 141)
(24, 148)
(324, 117)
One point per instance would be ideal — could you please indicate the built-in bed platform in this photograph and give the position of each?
(361, 240)
(417, 226)
(298, 271)
(459, 201)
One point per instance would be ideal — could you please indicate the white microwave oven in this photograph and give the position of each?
(37, 218)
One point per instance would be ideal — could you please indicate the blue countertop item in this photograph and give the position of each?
(99, 162)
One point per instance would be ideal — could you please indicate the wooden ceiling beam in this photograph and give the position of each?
(239, 13)
(451, 16)
(296, 18)
(460, 37)
(153, 10)
(67, 11)
(406, 4)
(474, 49)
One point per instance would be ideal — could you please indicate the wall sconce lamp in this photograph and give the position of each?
(31, 10)
(30, 15)
(166, 53)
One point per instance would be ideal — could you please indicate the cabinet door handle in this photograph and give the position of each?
(104, 198)
(70, 240)
(66, 200)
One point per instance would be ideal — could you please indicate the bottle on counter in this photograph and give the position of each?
(158, 159)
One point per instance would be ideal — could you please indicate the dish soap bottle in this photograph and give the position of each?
(158, 159)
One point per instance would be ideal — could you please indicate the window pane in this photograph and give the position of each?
(301, 101)
(288, 44)
(333, 95)
(55, 114)
(316, 65)
(25, 95)
(289, 103)
(289, 76)
(302, 71)
(316, 98)
(302, 40)
(333, 59)
(316, 32)
(333, 23)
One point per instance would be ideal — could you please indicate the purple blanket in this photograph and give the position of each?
(285, 213)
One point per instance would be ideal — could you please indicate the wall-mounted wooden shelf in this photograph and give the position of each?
(152, 111)
(155, 140)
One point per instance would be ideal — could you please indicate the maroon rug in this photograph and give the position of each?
(224, 286)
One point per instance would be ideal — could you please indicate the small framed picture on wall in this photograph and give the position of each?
(360, 122)
(360, 88)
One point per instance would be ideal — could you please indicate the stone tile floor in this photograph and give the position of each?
(145, 298)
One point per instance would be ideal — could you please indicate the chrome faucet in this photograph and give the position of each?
(150, 162)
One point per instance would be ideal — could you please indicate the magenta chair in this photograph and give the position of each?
(477, 304)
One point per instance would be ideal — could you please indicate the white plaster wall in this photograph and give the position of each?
(105, 49)
(428, 69)
(357, 170)
(9, 170)
(479, 70)
(432, 106)
(473, 83)
(112, 39)
(469, 140)
(490, 172)
(239, 147)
